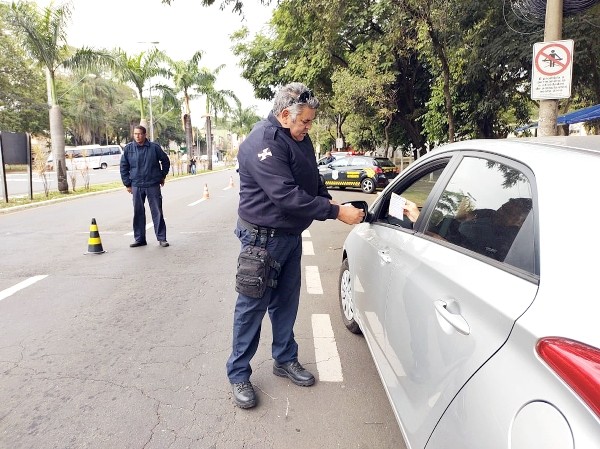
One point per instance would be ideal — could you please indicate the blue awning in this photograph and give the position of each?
(578, 116)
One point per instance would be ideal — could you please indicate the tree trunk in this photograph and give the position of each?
(439, 50)
(209, 142)
(144, 123)
(189, 139)
(57, 137)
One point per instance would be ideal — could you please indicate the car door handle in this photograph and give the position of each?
(454, 319)
(384, 255)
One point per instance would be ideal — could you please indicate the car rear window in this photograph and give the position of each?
(384, 162)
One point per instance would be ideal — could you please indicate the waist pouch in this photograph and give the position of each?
(256, 270)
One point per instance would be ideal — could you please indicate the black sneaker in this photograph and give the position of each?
(163, 243)
(136, 244)
(243, 395)
(295, 372)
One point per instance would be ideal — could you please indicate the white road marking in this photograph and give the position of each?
(148, 226)
(306, 233)
(329, 365)
(307, 248)
(313, 280)
(197, 202)
(21, 285)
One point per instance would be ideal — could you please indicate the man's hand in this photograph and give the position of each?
(162, 183)
(128, 189)
(350, 214)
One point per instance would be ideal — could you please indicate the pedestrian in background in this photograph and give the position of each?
(144, 167)
(193, 166)
(281, 193)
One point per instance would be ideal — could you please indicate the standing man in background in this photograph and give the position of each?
(281, 193)
(144, 167)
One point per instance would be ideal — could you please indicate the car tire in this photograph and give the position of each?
(346, 299)
(104, 166)
(368, 185)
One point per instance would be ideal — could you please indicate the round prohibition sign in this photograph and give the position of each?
(555, 62)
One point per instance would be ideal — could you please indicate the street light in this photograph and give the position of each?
(154, 43)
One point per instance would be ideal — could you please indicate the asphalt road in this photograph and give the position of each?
(127, 349)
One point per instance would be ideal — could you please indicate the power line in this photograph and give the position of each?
(535, 10)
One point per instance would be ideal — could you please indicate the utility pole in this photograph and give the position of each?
(552, 32)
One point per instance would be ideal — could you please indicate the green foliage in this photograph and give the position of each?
(22, 97)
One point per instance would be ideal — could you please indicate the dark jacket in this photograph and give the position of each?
(280, 186)
(144, 165)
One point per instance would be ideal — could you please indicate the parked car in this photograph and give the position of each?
(365, 172)
(481, 315)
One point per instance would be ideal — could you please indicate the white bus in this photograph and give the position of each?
(91, 156)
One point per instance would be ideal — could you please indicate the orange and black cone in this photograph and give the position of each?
(205, 195)
(94, 242)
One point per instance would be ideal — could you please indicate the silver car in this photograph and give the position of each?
(482, 315)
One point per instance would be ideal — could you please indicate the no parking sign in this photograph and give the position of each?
(552, 70)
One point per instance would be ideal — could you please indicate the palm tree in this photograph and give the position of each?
(243, 119)
(216, 101)
(186, 75)
(88, 102)
(42, 32)
(138, 69)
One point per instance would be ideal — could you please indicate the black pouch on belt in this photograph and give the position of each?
(254, 272)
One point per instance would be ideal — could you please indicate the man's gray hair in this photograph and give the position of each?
(294, 97)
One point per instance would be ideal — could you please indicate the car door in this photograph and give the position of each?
(336, 173)
(369, 257)
(456, 286)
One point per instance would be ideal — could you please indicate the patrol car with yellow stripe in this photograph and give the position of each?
(364, 172)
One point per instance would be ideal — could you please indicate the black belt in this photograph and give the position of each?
(271, 232)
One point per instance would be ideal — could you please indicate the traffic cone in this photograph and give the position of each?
(205, 196)
(94, 242)
(231, 181)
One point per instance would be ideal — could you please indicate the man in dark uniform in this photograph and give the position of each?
(280, 195)
(144, 167)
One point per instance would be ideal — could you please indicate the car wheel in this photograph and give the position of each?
(346, 300)
(368, 185)
(104, 166)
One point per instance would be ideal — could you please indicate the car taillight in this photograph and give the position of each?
(577, 364)
(378, 170)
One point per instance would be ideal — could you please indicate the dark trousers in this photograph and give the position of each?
(154, 196)
(281, 303)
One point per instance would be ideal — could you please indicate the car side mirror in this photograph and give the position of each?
(364, 206)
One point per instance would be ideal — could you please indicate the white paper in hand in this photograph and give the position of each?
(397, 204)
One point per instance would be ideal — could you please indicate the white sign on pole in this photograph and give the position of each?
(552, 70)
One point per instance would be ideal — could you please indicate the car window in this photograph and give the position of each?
(383, 162)
(486, 207)
(342, 162)
(417, 191)
(361, 161)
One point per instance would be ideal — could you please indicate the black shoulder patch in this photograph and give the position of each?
(270, 132)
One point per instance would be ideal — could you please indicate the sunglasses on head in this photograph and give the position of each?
(304, 96)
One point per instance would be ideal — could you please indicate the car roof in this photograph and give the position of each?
(586, 143)
(527, 150)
